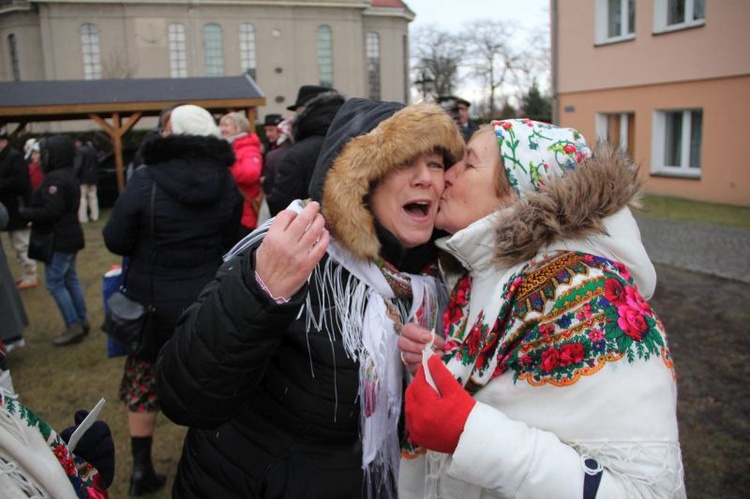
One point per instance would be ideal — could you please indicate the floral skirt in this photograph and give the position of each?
(138, 386)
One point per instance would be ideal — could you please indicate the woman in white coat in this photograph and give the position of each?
(555, 378)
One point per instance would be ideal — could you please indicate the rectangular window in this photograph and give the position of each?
(617, 129)
(615, 20)
(372, 49)
(247, 49)
(15, 64)
(177, 51)
(213, 50)
(672, 15)
(92, 65)
(677, 142)
(325, 56)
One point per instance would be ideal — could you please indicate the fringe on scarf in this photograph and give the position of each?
(368, 317)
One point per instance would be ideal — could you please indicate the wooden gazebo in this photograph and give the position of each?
(117, 105)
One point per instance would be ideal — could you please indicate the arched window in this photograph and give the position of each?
(247, 49)
(177, 51)
(213, 50)
(15, 64)
(372, 50)
(92, 61)
(325, 56)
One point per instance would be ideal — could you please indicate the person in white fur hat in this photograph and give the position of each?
(554, 378)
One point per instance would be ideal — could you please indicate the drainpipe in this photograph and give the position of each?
(553, 49)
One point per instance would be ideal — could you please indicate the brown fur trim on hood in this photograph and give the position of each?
(570, 207)
(365, 159)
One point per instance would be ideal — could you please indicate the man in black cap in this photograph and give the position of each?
(458, 108)
(315, 107)
(305, 94)
(271, 131)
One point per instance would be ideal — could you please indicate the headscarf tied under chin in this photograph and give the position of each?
(534, 152)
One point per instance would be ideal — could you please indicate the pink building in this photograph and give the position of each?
(668, 80)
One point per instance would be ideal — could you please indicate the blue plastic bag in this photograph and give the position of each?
(111, 282)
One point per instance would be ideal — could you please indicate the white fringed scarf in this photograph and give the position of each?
(369, 315)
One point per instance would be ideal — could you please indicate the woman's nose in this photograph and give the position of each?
(423, 174)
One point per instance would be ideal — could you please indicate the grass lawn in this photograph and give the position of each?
(56, 381)
(684, 210)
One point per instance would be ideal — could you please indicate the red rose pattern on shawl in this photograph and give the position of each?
(563, 317)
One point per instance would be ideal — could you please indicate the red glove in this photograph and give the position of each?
(436, 422)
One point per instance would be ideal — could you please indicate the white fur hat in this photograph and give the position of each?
(193, 120)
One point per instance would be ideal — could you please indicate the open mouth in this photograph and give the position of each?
(418, 208)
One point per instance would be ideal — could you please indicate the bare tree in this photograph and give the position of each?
(494, 56)
(437, 58)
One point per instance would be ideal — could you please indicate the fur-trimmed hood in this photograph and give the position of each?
(571, 207)
(193, 169)
(367, 140)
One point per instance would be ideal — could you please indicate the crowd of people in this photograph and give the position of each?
(370, 300)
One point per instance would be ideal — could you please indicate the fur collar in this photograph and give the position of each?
(572, 207)
(171, 147)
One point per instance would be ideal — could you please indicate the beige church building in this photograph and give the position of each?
(358, 47)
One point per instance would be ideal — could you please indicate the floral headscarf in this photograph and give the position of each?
(533, 152)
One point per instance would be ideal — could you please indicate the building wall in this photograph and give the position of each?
(134, 40)
(725, 167)
(24, 25)
(705, 67)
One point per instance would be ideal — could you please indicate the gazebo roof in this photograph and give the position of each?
(29, 101)
(123, 102)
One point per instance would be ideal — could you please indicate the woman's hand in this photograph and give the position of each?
(412, 341)
(294, 245)
(435, 420)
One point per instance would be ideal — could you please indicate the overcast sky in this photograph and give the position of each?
(453, 15)
(448, 13)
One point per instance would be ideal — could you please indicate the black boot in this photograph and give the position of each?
(144, 479)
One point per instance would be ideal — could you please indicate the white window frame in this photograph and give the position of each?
(602, 128)
(248, 59)
(90, 51)
(177, 51)
(325, 55)
(661, 8)
(213, 49)
(658, 145)
(601, 28)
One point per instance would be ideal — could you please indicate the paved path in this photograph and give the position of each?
(710, 249)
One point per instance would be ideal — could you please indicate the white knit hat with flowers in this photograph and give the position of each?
(534, 152)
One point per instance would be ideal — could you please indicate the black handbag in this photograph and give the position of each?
(129, 322)
(41, 244)
(132, 324)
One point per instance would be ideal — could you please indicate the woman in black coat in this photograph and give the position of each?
(286, 368)
(196, 215)
(57, 236)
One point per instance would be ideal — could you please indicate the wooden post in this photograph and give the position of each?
(116, 131)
